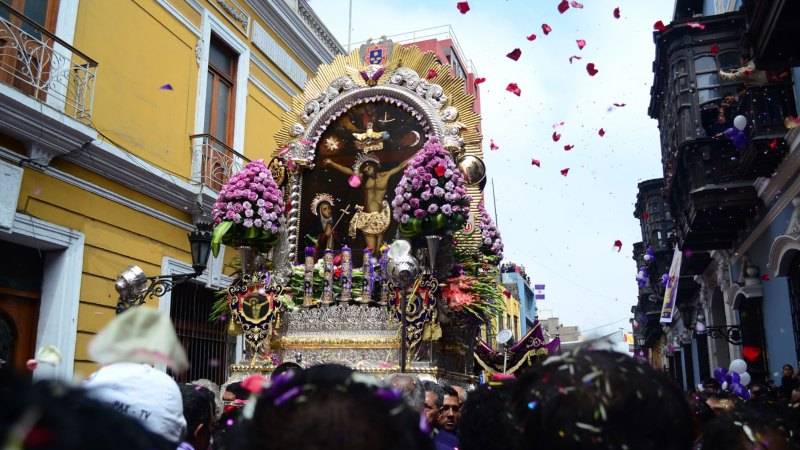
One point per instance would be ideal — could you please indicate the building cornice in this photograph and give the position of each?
(309, 47)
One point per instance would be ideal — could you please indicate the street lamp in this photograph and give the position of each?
(403, 269)
(134, 287)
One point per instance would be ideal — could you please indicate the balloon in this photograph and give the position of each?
(354, 181)
(740, 122)
(700, 327)
(738, 366)
(744, 378)
(737, 137)
(719, 374)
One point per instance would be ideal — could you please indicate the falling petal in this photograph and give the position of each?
(618, 245)
(558, 124)
(765, 277)
(568, 147)
(536, 162)
(432, 73)
(166, 87)
(563, 6)
(581, 43)
(773, 144)
(546, 29)
(531, 37)
(619, 105)
(463, 7)
(696, 25)
(556, 136)
(479, 80)
(659, 26)
(714, 48)
(591, 69)
(575, 4)
(573, 57)
(565, 171)
(601, 132)
(514, 54)
(514, 89)
(493, 146)
(616, 13)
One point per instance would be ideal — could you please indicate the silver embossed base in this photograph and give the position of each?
(359, 336)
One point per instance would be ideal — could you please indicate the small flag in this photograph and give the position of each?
(538, 291)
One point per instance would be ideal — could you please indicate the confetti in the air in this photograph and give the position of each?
(558, 124)
(619, 105)
(590, 68)
(773, 144)
(493, 146)
(714, 48)
(574, 57)
(601, 132)
(568, 147)
(166, 87)
(514, 54)
(514, 89)
(546, 29)
(581, 43)
(463, 7)
(565, 171)
(765, 277)
(576, 5)
(563, 6)
(432, 73)
(659, 26)
(618, 245)
(536, 162)
(531, 37)
(696, 25)
(480, 80)
(617, 14)
(556, 136)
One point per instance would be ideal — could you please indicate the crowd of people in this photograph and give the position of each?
(586, 399)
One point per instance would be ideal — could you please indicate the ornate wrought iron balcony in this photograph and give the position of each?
(39, 64)
(217, 161)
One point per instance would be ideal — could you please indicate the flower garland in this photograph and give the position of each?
(491, 244)
(431, 197)
(249, 209)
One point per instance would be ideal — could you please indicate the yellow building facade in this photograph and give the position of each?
(119, 120)
(510, 319)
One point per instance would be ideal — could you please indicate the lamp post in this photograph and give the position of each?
(134, 287)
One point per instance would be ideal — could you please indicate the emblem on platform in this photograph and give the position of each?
(254, 305)
(376, 52)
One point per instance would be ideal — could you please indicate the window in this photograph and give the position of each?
(707, 78)
(220, 93)
(26, 68)
(794, 294)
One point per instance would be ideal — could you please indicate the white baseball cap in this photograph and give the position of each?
(143, 392)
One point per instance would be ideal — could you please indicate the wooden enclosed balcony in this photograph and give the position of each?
(772, 27)
(37, 63)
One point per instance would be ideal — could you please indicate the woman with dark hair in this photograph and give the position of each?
(331, 407)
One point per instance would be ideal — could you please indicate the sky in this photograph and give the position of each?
(562, 229)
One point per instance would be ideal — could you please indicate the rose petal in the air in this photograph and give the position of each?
(531, 37)
(536, 162)
(493, 146)
(618, 245)
(565, 171)
(601, 132)
(479, 80)
(581, 43)
(568, 147)
(619, 105)
(616, 13)
(563, 6)
(514, 54)
(556, 136)
(574, 57)
(514, 89)
(463, 7)
(575, 4)
(166, 87)
(714, 48)
(590, 68)
(546, 29)
(659, 26)
(432, 73)
(696, 25)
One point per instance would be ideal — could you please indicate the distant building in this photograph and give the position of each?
(553, 328)
(517, 282)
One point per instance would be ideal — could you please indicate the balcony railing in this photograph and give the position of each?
(39, 64)
(218, 162)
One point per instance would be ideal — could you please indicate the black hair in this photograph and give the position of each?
(593, 399)
(288, 365)
(486, 422)
(54, 416)
(330, 407)
(450, 392)
(198, 407)
(431, 386)
(751, 426)
(238, 391)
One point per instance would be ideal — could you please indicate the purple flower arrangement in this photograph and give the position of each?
(491, 243)
(431, 197)
(249, 209)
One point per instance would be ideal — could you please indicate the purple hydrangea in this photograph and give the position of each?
(250, 198)
(492, 245)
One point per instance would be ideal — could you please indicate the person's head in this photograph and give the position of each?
(487, 408)
(235, 391)
(788, 371)
(369, 169)
(434, 398)
(285, 367)
(711, 386)
(593, 399)
(450, 412)
(51, 415)
(462, 393)
(325, 210)
(144, 393)
(198, 410)
(411, 388)
(751, 426)
(345, 410)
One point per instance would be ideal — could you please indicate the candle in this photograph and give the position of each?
(347, 275)
(385, 277)
(308, 278)
(327, 289)
(369, 277)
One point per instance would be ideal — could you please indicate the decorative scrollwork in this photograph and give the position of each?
(156, 287)
(732, 333)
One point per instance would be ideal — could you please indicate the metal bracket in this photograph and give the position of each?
(732, 333)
